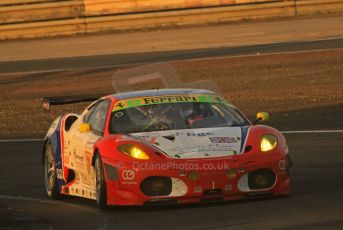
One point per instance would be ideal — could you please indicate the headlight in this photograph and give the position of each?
(268, 142)
(133, 151)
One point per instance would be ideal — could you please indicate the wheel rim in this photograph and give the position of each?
(98, 179)
(49, 166)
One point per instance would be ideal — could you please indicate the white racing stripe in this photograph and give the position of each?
(284, 132)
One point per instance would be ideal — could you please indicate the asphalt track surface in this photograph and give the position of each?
(117, 60)
(316, 202)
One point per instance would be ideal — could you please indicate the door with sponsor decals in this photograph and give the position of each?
(83, 143)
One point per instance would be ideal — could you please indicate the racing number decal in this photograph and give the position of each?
(128, 174)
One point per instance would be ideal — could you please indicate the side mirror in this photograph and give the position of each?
(85, 127)
(261, 116)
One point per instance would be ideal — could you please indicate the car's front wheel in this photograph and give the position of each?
(101, 193)
(50, 177)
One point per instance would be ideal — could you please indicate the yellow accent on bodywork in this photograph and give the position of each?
(263, 116)
(136, 102)
(85, 127)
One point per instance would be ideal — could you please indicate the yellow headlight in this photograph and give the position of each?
(268, 142)
(133, 151)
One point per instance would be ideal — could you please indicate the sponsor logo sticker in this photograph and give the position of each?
(128, 174)
(59, 174)
(197, 189)
(283, 165)
(129, 103)
(223, 140)
(228, 187)
(193, 134)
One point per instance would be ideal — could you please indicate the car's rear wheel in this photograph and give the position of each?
(101, 193)
(50, 177)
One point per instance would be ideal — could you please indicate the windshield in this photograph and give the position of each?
(174, 116)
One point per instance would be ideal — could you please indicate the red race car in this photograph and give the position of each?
(164, 146)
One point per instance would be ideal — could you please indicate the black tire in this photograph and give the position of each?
(50, 177)
(101, 191)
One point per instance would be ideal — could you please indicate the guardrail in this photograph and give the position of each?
(43, 29)
(189, 17)
(21, 2)
(307, 7)
(108, 7)
(40, 12)
(68, 17)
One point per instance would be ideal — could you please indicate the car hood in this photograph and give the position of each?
(197, 143)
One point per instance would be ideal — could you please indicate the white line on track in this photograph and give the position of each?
(260, 54)
(74, 69)
(21, 198)
(21, 140)
(170, 49)
(284, 132)
(42, 201)
(312, 131)
(171, 61)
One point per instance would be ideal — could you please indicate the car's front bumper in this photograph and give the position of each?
(208, 184)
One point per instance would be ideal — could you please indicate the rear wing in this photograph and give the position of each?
(48, 102)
